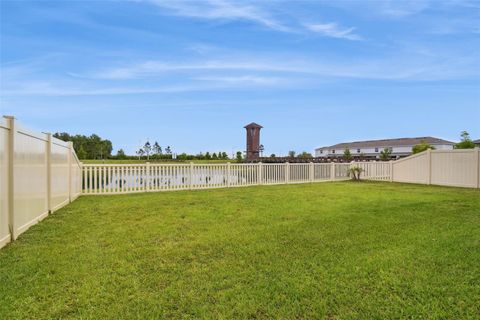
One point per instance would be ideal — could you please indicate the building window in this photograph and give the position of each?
(376, 149)
(321, 151)
(358, 150)
(333, 151)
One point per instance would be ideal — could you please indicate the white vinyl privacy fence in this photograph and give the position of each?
(38, 175)
(457, 168)
(112, 179)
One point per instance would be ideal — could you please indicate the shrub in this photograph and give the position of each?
(354, 173)
(422, 146)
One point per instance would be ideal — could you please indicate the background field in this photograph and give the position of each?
(327, 250)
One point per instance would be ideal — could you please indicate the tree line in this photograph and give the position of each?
(88, 147)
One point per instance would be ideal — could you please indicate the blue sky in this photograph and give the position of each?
(191, 74)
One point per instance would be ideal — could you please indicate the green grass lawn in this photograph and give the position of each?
(327, 250)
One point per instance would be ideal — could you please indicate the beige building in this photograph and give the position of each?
(371, 148)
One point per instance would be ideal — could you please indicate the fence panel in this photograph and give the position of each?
(454, 168)
(4, 196)
(341, 171)
(299, 172)
(322, 171)
(273, 173)
(413, 169)
(59, 158)
(30, 175)
(76, 176)
(374, 170)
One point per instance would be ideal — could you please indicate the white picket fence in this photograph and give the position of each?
(38, 175)
(450, 168)
(125, 178)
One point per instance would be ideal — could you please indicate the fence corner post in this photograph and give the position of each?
(332, 170)
(287, 172)
(391, 170)
(229, 172)
(190, 176)
(70, 155)
(10, 163)
(311, 172)
(49, 172)
(147, 178)
(478, 167)
(260, 173)
(429, 164)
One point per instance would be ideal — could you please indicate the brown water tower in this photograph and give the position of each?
(253, 141)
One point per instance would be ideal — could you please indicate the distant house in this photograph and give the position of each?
(477, 143)
(371, 149)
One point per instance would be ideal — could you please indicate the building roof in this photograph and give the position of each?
(253, 125)
(476, 141)
(389, 143)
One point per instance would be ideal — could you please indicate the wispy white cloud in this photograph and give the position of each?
(155, 68)
(221, 9)
(242, 79)
(333, 30)
(59, 89)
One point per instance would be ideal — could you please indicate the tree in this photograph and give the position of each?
(261, 148)
(93, 146)
(385, 154)
(305, 155)
(422, 146)
(121, 154)
(224, 156)
(465, 141)
(81, 154)
(157, 149)
(208, 156)
(168, 150)
(214, 156)
(273, 155)
(347, 155)
(291, 154)
(147, 148)
(140, 152)
(239, 156)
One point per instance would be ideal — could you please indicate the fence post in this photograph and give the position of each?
(260, 173)
(287, 172)
(478, 168)
(190, 176)
(311, 172)
(70, 155)
(391, 170)
(429, 163)
(49, 172)
(332, 171)
(229, 172)
(10, 149)
(147, 179)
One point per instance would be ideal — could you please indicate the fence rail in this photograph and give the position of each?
(115, 179)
